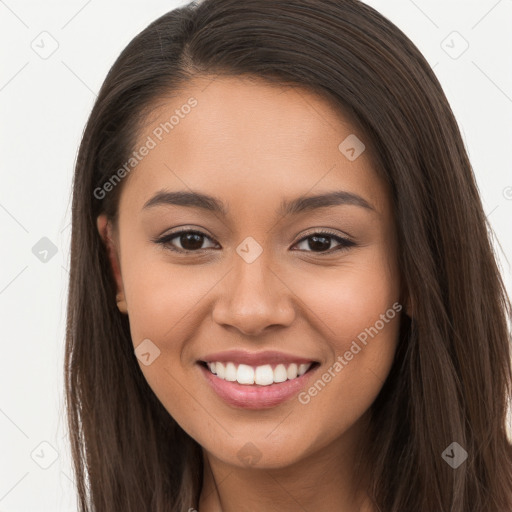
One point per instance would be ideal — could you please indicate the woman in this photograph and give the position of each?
(282, 293)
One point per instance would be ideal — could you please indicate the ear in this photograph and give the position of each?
(105, 230)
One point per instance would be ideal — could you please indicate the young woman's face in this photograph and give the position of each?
(259, 276)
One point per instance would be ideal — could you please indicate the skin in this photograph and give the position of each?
(252, 145)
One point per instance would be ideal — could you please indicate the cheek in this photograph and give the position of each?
(359, 329)
(161, 297)
(346, 387)
(355, 312)
(343, 300)
(164, 303)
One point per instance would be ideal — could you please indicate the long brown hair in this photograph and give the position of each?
(451, 378)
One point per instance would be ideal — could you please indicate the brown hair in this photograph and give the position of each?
(451, 377)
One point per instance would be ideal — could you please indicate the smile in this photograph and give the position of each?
(253, 395)
(263, 375)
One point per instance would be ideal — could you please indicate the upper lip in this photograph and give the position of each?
(255, 358)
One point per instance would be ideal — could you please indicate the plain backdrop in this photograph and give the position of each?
(55, 55)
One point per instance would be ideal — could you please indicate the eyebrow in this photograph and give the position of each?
(287, 207)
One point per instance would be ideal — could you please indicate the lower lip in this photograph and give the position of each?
(253, 396)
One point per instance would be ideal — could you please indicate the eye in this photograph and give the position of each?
(189, 240)
(320, 242)
(192, 241)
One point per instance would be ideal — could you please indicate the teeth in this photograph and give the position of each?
(292, 371)
(245, 374)
(230, 372)
(280, 373)
(303, 368)
(264, 375)
(261, 375)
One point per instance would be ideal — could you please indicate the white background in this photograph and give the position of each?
(44, 105)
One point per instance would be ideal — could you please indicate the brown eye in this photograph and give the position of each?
(192, 241)
(189, 240)
(321, 243)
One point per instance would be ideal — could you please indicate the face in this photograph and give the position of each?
(314, 281)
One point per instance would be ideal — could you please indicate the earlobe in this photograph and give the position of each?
(105, 231)
(121, 303)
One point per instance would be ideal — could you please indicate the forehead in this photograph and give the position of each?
(242, 139)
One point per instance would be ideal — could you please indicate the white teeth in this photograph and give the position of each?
(245, 374)
(219, 370)
(303, 368)
(261, 375)
(292, 371)
(231, 372)
(264, 375)
(280, 374)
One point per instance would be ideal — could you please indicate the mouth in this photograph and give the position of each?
(248, 394)
(256, 376)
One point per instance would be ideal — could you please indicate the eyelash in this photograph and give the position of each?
(165, 240)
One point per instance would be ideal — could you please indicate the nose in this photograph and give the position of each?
(253, 298)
